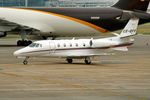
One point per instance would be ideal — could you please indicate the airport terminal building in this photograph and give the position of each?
(78, 3)
(11, 3)
(55, 3)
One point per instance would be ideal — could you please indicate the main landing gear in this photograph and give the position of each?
(25, 62)
(87, 60)
(69, 60)
(23, 42)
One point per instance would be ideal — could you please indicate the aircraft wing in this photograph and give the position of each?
(103, 54)
(90, 55)
(6, 26)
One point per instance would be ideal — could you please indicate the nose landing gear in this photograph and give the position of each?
(25, 62)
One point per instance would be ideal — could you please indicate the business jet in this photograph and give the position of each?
(41, 23)
(81, 48)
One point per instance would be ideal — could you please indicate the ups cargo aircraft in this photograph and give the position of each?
(40, 23)
(82, 48)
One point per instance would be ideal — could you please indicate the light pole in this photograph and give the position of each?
(26, 3)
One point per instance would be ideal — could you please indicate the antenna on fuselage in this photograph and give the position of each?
(73, 38)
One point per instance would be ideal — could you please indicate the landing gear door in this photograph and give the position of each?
(52, 47)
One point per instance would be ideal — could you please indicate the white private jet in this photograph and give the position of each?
(81, 48)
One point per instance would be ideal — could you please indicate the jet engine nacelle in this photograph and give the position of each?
(3, 34)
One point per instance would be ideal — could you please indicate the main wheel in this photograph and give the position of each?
(29, 42)
(26, 42)
(25, 62)
(88, 61)
(19, 43)
(69, 61)
(23, 43)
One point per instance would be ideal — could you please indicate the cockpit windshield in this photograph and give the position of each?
(32, 45)
(35, 45)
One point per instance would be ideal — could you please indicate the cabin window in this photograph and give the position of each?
(76, 44)
(70, 45)
(64, 45)
(41, 45)
(84, 44)
(58, 45)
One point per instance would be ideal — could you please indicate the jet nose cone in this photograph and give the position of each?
(20, 52)
(16, 53)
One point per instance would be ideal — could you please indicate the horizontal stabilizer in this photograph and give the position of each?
(120, 49)
(132, 5)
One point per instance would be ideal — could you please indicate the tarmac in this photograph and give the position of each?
(124, 76)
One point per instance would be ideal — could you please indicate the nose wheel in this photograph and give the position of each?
(25, 62)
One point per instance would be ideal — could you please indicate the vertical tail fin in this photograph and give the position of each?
(125, 36)
(131, 28)
(132, 5)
